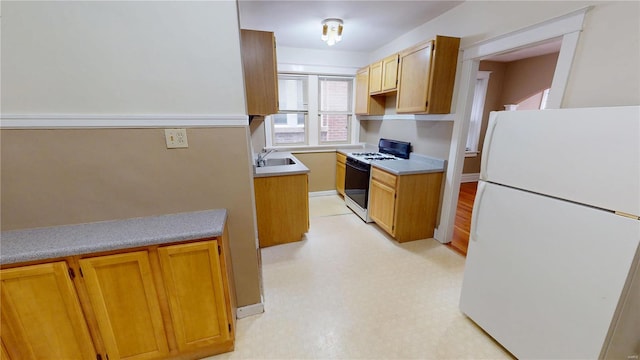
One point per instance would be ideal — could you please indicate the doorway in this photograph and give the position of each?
(567, 28)
(518, 80)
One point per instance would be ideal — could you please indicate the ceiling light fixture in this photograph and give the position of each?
(331, 31)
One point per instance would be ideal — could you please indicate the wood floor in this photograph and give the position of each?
(460, 240)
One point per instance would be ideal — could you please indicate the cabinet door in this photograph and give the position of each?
(413, 84)
(4, 355)
(382, 205)
(193, 278)
(390, 73)
(41, 314)
(260, 72)
(340, 173)
(125, 302)
(375, 77)
(362, 91)
(282, 208)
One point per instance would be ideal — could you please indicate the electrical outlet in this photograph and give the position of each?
(176, 138)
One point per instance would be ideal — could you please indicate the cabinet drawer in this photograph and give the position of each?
(384, 177)
(341, 158)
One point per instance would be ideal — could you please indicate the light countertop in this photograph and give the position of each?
(416, 164)
(280, 170)
(69, 240)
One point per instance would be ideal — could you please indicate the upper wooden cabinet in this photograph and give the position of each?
(375, 78)
(383, 75)
(427, 75)
(260, 71)
(365, 104)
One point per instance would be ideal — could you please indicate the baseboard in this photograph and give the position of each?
(470, 177)
(249, 310)
(323, 193)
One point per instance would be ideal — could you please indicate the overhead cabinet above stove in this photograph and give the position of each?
(423, 83)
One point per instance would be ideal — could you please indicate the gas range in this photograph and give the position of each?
(358, 173)
(367, 157)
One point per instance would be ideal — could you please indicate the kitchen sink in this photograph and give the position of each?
(277, 162)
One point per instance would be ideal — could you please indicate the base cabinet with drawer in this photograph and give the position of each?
(405, 206)
(159, 302)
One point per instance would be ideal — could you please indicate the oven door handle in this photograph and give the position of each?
(357, 166)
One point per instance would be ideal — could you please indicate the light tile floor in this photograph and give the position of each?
(348, 291)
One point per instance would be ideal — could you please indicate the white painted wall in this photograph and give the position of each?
(607, 55)
(313, 61)
(606, 67)
(181, 58)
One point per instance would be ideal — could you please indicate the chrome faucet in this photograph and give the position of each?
(260, 161)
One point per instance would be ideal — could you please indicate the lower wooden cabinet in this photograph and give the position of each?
(382, 205)
(341, 167)
(126, 305)
(41, 315)
(193, 279)
(282, 208)
(160, 302)
(405, 206)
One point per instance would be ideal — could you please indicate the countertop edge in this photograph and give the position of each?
(407, 172)
(27, 245)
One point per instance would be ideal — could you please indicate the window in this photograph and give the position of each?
(314, 110)
(289, 126)
(335, 109)
(477, 111)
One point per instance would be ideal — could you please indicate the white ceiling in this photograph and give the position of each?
(368, 24)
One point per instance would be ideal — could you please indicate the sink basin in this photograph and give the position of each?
(277, 162)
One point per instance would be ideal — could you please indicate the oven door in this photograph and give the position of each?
(356, 182)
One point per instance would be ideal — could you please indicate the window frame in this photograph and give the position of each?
(313, 116)
(348, 112)
(477, 113)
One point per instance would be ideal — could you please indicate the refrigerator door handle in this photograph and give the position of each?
(486, 148)
(475, 212)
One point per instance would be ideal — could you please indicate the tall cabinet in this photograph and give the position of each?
(260, 71)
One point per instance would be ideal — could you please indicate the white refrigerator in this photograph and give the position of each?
(552, 264)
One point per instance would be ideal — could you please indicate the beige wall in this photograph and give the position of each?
(126, 59)
(527, 77)
(511, 83)
(56, 177)
(323, 169)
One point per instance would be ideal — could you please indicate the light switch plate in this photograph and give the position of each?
(176, 138)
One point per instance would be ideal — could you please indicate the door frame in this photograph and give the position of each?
(568, 27)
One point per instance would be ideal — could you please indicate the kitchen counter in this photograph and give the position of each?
(416, 164)
(70, 240)
(280, 170)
